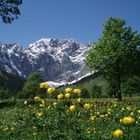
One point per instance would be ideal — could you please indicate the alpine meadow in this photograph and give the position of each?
(64, 89)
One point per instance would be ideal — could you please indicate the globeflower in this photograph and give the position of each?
(118, 133)
(93, 118)
(77, 91)
(37, 98)
(60, 96)
(43, 85)
(79, 100)
(42, 105)
(128, 120)
(39, 114)
(55, 104)
(25, 102)
(72, 108)
(51, 90)
(68, 90)
(129, 108)
(68, 95)
(42, 101)
(87, 105)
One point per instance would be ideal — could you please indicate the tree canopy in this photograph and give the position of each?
(9, 84)
(31, 86)
(9, 10)
(116, 54)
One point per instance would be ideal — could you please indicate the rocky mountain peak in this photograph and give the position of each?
(57, 60)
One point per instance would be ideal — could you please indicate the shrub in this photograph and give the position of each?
(96, 91)
(31, 87)
(85, 93)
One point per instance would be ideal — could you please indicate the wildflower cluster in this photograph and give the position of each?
(62, 117)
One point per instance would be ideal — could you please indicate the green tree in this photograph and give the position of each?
(96, 91)
(5, 94)
(9, 83)
(85, 93)
(116, 54)
(131, 86)
(9, 10)
(31, 86)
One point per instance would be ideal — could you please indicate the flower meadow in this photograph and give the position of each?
(70, 117)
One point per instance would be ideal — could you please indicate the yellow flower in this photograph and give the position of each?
(123, 109)
(43, 102)
(68, 95)
(55, 104)
(25, 102)
(39, 114)
(88, 130)
(102, 116)
(72, 108)
(106, 115)
(6, 129)
(93, 118)
(77, 91)
(37, 98)
(121, 120)
(129, 108)
(42, 105)
(51, 90)
(98, 113)
(115, 105)
(118, 133)
(132, 113)
(128, 120)
(43, 85)
(68, 90)
(60, 96)
(109, 110)
(79, 100)
(87, 105)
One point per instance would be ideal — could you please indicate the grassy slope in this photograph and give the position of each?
(90, 83)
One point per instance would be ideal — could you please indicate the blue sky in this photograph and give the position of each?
(79, 19)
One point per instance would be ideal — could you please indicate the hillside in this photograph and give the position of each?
(9, 84)
(94, 85)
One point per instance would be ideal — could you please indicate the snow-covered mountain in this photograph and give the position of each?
(57, 60)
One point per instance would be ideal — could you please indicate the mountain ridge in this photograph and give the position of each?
(57, 60)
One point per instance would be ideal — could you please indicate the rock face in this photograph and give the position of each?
(14, 60)
(57, 60)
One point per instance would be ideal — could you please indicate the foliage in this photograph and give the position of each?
(5, 94)
(9, 85)
(97, 91)
(7, 103)
(9, 10)
(116, 54)
(85, 93)
(131, 86)
(31, 86)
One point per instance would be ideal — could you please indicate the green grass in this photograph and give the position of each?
(32, 122)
